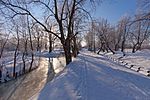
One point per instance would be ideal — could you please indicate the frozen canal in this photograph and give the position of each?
(26, 86)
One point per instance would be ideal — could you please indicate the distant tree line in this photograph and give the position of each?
(129, 33)
(102, 36)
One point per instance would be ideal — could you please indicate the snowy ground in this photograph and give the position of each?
(140, 60)
(95, 77)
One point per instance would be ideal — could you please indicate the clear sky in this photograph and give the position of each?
(114, 9)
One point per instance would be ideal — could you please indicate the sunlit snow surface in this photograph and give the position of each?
(138, 59)
(95, 77)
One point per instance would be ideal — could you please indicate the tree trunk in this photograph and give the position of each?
(31, 45)
(67, 48)
(31, 63)
(123, 46)
(23, 59)
(116, 47)
(23, 56)
(2, 48)
(75, 47)
(14, 68)
(94, 44)
(99, 50)
(15, 54)
(110, 49)
(50, 42)
(38, 43)
(134, 48)
(139, 46)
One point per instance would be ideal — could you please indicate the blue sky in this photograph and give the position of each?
(114, 9)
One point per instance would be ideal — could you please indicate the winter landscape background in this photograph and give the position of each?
(74, 49)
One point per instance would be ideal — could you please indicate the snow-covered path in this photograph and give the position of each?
(94, 77)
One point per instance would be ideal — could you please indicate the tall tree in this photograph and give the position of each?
(124, 29)
(139, 32)
(16, 50)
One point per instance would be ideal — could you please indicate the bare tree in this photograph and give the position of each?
(3, 41)
(144, 8)
(16, 50)
(123, 30)
(104, 31)
(91, 36)
(31, 44)
(117, 36)
(139, 33)
(144, 5)
(89, 39)
(51, 38)
(37, 35)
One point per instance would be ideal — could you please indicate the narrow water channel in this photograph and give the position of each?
(26, 86)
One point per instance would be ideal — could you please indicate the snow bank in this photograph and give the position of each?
(6, 65)
(140, 60)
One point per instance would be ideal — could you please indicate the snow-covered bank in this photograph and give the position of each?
(54, 54)
(7, 65)
(95, 77)
(138, 61)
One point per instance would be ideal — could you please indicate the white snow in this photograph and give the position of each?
(140, 59)
(55, 53)
(95, 77)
